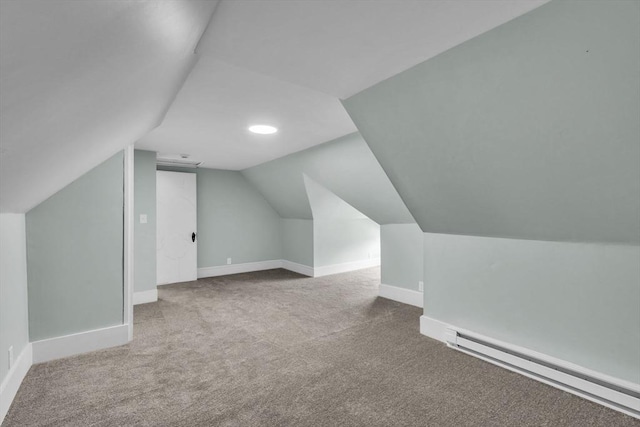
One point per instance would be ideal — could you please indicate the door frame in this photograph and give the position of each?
(128, 235)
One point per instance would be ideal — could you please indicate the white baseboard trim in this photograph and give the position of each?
(144, 297)
(298, 268)
(405, 296)
(11, 383)
(83, 342)
(541, 367)
(223, 270)
(433, 328)
(345, 267)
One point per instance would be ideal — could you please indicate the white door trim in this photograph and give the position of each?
(127, 315)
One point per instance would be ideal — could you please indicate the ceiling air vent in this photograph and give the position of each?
(179, 163)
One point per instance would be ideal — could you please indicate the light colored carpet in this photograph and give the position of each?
(276, 349)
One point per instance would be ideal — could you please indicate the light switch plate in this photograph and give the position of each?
(143, 218)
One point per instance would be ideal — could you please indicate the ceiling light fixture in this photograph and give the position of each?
(263, 129)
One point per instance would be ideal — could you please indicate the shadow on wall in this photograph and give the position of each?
(341, 233)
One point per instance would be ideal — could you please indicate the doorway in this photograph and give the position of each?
(177, 249)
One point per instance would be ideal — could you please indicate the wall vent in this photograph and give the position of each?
(180, 163)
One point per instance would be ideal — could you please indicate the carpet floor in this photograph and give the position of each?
(274, 348)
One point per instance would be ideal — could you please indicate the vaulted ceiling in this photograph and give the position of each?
(288, 63)
(528, 131)
(80, 80)
(346, 167)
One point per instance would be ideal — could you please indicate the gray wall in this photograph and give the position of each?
(297, 241)
(341, 233)
(75, 255)
(14, 317)
(529, 131)
(575, 301)
(145, 234)
(345, 166)
(340, 241)
(234, 221)
(401, 247)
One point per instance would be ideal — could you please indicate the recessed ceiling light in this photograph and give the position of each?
(263, 129)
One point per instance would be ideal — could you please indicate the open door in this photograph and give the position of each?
(177, 249)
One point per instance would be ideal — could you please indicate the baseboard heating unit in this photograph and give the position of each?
(612, 392)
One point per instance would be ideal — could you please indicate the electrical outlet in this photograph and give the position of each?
(421, 286)
(10, 357)
(143, 218)
(228, 260)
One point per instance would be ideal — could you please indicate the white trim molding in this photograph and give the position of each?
(129, 224)
(11, 383)
(298, 268)
(433, 328)
(584, 382)
(345, 267)
(405, 296)
(83, 342)
(144, 297)
(223, 270)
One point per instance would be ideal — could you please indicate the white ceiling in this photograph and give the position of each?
(210, 116)
(342, 47)
(287, 63)
(80, 80)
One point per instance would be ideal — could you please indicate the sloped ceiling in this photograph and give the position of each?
(528, 131)
(210, 116)
(345, 167)
(80, 80)
(342, 47)
(287, 63)
(327, 206)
